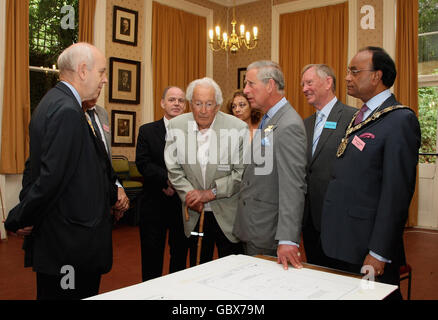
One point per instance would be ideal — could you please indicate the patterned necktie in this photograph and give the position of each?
(94, 123)
(318, 129)
(264, 120)
(359, 117)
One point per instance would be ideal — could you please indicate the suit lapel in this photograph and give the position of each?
(160, 132)
(334, 116)
(104, 123)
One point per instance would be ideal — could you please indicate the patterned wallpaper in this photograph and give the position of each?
(370, 37)
(118, 50)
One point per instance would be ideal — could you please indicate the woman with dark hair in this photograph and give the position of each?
(239, 106)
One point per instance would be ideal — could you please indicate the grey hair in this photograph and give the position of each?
(268, 70)
(206, 83)
(73, 56)
(323, 71)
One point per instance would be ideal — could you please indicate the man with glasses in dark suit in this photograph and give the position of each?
(374, 175)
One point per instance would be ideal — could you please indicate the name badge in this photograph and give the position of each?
(223, 167)
(330, 125)
(358, 143)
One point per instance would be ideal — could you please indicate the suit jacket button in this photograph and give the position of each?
(244, 203)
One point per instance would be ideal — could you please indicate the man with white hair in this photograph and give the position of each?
(65, 211)
(207, 169)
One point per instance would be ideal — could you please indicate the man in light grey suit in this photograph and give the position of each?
(271, 201)
(99, 119)
(204, 158)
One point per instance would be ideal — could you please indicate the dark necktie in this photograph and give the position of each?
(94, 123)
(359, 117)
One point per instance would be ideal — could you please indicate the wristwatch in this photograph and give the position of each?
(214, 191)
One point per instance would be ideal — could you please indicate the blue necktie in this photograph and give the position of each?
(264, 120)
(318, 129)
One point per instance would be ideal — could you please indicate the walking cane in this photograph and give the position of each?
(200, 234)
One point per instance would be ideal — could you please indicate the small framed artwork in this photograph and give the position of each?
(122, 128)
(125, 26)
(241, 72)
(124, 81)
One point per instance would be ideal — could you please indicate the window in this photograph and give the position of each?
(428, 77)
(46, 41)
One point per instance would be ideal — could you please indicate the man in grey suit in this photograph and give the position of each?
(324, 129)
(271, 201)
(204, 159)
(99, 119)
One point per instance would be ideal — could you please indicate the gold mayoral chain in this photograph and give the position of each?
(351, 128)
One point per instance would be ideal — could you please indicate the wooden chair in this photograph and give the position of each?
(406, 274)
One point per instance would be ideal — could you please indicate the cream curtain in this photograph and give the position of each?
(313, 36)
(179, 50)
(87, 9)
(16, 97)
(406, 59)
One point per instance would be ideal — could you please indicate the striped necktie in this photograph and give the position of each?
(318, 129)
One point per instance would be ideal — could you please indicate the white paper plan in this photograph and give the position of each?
(249, 278)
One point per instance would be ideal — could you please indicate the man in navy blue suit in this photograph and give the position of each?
(367, 200)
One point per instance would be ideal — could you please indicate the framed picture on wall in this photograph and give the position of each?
(125, 26)
(122, 128)
(241, 72)
(124, 81)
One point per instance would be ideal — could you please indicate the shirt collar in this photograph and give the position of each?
(271, 112)
(328, 107)
(166, 122)
(74, 91)
(377, 100)
(196, 128)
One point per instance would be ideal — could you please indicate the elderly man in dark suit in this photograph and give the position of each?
(373, 180)
(66, 208)
(161, 206)
(271, 200)
(325, 129)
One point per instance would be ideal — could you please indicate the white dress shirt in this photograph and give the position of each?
(203, 139)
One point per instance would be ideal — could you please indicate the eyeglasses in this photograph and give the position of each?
(355, 72)
(208, 104)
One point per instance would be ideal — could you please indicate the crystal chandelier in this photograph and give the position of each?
(234, 42)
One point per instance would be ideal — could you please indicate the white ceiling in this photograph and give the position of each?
(230, 3)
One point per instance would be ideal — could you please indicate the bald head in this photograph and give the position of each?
(78, 53)
(84, 67)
